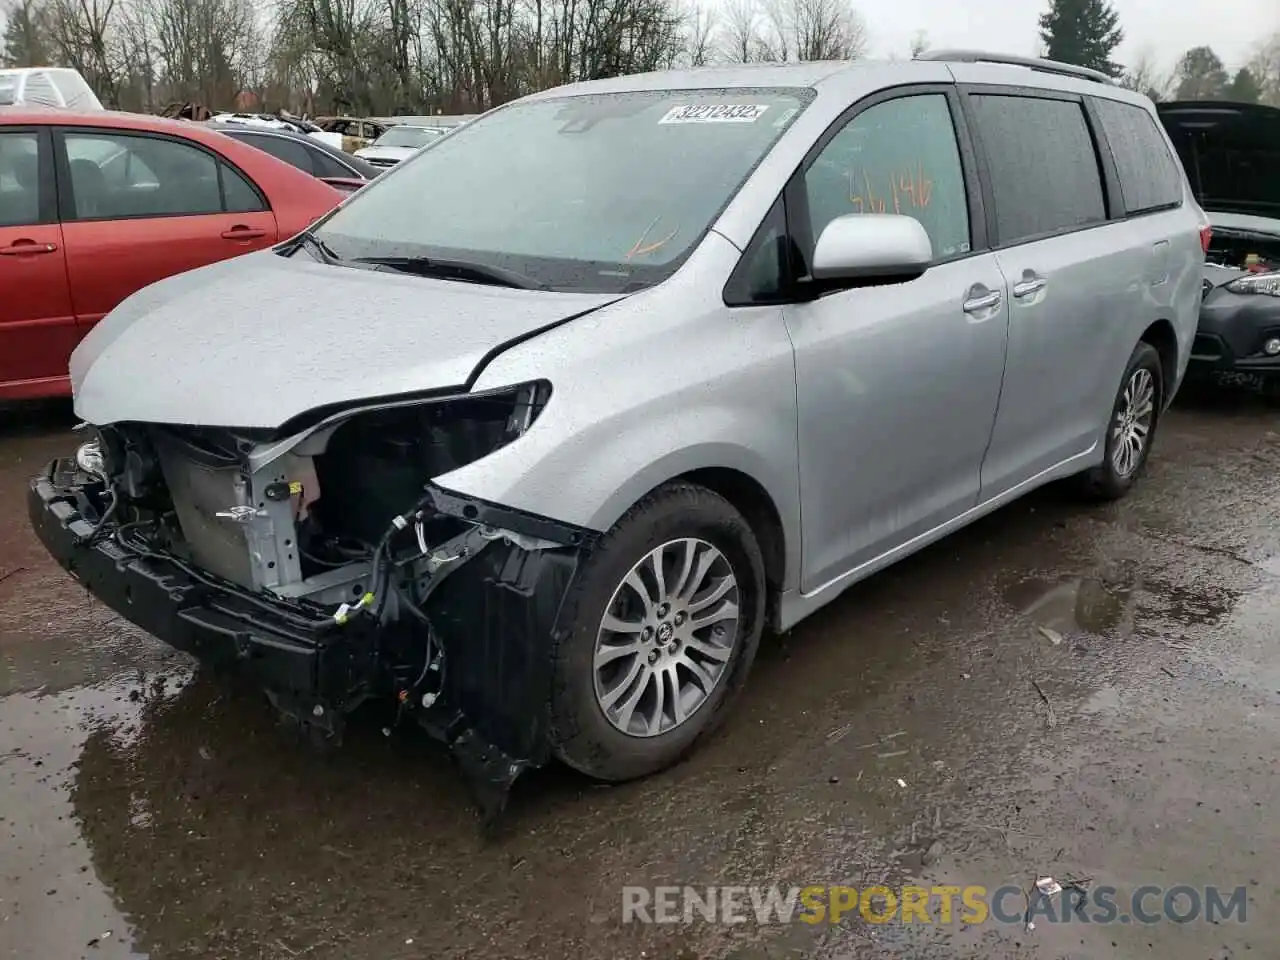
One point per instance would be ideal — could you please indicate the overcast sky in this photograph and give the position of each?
(1167, 27)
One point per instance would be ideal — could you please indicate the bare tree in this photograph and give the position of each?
(410, 56)
(1146, 77)
(330, 44)
(777, 33)
(1265, 65)
(739, 33)
(82, 35)
(700, 31)
(919, 43)
(789, 30)
(203, 49)
(827, 30)
(135, 42)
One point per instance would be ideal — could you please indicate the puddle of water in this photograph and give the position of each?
(1083, 605)
(1120, 604)
(52, 903)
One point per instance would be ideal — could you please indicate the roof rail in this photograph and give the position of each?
(1032, 63)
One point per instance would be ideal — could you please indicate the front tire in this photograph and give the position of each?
(1131, 428)
(660, 630)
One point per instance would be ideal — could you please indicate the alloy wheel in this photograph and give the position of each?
(666, 637)
(1131, 429)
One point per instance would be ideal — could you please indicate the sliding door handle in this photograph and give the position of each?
(986, 301)
(1029, 287)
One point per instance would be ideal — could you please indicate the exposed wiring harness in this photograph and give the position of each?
(382, 582)
(381, 578)
(429, 658)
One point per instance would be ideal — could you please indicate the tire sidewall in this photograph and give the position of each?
(1144, 356)
(582, 735)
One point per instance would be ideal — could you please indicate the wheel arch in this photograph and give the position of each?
(1162, 336)
(728, 471)
(752, 500)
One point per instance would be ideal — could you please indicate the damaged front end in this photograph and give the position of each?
(322, 560)
(1239, 330)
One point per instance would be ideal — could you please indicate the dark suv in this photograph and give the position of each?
(1231, 152)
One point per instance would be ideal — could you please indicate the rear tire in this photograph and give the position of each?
(647, 666)
(1131, 429)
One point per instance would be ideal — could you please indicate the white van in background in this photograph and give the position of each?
(46, 87)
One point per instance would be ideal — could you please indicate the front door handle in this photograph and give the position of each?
(986, 301)
(1029, 287)
(27, 248)
(243, 233)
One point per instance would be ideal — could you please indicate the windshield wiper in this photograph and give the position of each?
(308, 239)
(444, 269)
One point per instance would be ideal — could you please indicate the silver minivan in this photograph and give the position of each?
(535, 435)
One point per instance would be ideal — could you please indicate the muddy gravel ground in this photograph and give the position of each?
(1086, 693)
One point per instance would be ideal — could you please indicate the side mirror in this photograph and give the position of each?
(871, 247)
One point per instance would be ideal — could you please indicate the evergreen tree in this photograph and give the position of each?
(23, 41)
(1083, 32)
(1245, 88)
(1201, 76)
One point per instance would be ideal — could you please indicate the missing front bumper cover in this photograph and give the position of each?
(495, 617)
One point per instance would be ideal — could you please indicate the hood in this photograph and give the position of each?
(1242, 223)
(259, 339)
(1231, 152)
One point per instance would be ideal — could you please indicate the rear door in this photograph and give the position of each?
(37, 324)
(139, 207)
(1069, 296)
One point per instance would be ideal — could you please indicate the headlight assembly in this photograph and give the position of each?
(1267, 284)
(89, 459)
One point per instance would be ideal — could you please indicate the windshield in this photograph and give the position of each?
(604, 193)
(406, 137)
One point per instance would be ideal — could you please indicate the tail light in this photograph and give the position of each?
(1206, 237)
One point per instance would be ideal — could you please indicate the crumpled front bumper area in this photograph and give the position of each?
(495, 618)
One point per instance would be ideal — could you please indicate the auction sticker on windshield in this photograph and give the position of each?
(715, 113)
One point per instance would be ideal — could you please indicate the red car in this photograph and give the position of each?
(94, 206)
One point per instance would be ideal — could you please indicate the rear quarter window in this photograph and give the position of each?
(1149, 178)
(1045, 176)
(326, 166)
(282, 148)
